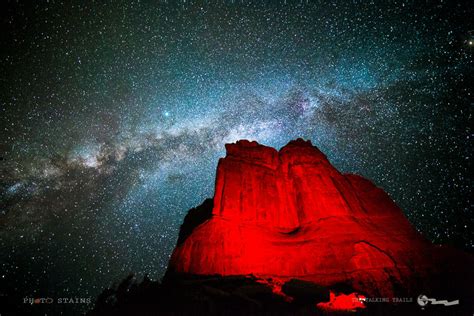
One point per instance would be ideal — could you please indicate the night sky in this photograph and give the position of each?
(114, 115)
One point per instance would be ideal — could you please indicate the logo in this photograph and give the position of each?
(423, 300)
(61, 300)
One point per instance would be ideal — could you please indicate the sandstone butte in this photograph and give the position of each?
(290, 214)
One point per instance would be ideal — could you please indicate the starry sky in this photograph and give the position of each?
(114, 115)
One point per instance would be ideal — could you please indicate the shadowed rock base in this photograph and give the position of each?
(248, 295)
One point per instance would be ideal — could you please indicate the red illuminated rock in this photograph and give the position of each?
(291, 214)
(342, 302)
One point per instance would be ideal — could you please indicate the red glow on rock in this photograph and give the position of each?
(290, 213)
(276, 286)
(343, 302)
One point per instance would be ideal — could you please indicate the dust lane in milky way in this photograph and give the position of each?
(114, 116)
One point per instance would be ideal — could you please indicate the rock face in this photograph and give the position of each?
(290, 214)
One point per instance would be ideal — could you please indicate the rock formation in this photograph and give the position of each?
(288, 234)
(290, 214)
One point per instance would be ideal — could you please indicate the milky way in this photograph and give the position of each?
(114, 117)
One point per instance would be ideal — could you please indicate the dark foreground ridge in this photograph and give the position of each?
(287, 233)
(248, 295)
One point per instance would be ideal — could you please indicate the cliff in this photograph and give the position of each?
(290, 214)
(288, 234)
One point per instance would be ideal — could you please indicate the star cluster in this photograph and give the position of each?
(114, 117)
